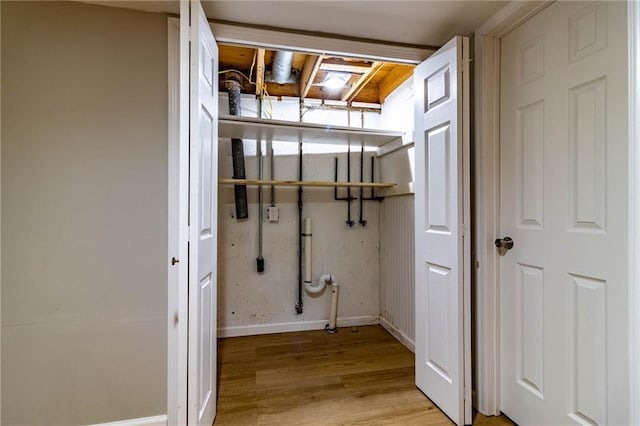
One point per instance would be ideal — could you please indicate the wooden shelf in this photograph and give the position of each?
(230, 126)
(317, 184)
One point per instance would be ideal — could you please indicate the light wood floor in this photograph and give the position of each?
(357, 376)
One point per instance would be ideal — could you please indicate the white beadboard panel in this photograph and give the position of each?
(397, 283)
(399, 335)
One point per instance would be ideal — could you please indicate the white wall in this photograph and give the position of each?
(397, 250)
(84, 212)
(0, 214)
(249, 302)
(397, 110)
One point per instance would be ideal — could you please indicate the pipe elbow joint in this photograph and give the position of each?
(318, 287)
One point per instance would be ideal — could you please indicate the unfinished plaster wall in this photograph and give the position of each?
(249, 302)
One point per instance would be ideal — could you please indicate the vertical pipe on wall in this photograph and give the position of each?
(333, 316)
(299, 303)
(260, 259)
(272, 173)
(300, 284)
(362, 221)
(237, 152)
(349, 222)
(307, 252)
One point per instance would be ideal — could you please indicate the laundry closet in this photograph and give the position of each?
(352, 218)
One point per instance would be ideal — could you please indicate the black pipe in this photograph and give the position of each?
(272, 172)
(335, 179)
(259, 259)
(373, 176)
(373, 196)
(349, 222)
(362, 221)
(300, 278)
(335, 188)
(237, 153)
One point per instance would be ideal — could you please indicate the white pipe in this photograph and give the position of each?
(335, 289)
(307, 251)
(319, 286)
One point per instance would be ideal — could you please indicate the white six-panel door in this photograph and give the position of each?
(563, 159)
(442, 229)
(203, 207)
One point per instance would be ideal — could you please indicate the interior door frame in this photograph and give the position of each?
(178, 232)
(634, 206)
(487, 199)
(178, 185)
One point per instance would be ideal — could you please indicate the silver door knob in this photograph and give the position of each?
(504, 243)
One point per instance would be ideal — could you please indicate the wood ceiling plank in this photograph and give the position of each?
(298, 61)
(398, 75)
(382, 74)
(234, 57)
(259, 70)
(309, 71)
(361, 82)
(368, 94)
(277, 90)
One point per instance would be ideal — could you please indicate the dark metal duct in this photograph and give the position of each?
(237, 153)
(281, 68)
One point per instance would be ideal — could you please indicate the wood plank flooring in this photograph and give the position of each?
(359, 376)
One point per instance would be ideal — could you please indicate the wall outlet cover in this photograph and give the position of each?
(273, 214)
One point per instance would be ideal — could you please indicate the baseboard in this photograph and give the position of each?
(285, 327)
(399, 335)
(142, 421)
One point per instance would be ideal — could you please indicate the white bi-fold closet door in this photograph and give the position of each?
(199, 81)
(442, 224)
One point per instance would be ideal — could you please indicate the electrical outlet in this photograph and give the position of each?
(273, 214)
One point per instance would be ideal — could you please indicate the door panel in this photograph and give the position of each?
(563, 191)
(203, 207)
(442, 215)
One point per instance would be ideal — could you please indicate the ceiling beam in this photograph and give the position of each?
(339, 64)
(398, 75)
(259, 71)
(362, 81)
(309, 71)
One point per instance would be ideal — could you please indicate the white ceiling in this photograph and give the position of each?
(429, 23)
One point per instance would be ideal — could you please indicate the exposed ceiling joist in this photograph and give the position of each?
(309, 71)
(362, 81)
(372, 82)
(259, 71)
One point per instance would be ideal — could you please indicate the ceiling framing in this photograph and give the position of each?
(369, 81)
